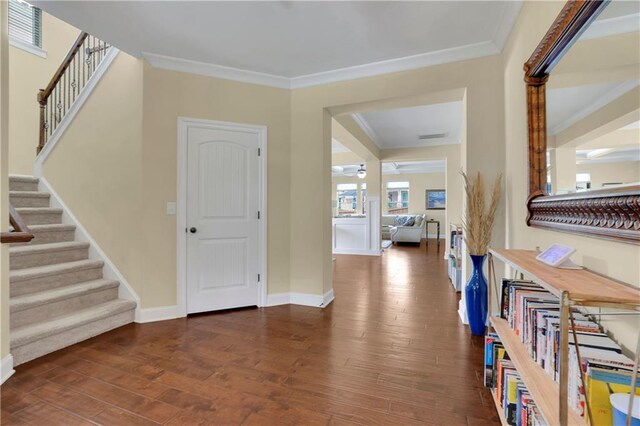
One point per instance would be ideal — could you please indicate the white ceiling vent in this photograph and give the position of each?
(433, 136)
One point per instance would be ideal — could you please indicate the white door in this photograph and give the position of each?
(222, 218)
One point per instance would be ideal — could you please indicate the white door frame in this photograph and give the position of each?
(181, 208)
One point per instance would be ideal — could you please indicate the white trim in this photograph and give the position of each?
(612, 26)
(48, 148)
(161, 313)
(27, 47)
(181, 205)
(422, 60)
(6, 368)
(303, 299)
(218, 71)
(364, 125)
(462, 311)
(406, 63)
(358, 252)
(109, 270)
(598, 103)
(327, 298)
(278, 299)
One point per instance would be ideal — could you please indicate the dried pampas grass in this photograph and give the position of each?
(478, 222)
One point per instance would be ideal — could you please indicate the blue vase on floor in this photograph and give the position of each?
(476, 297)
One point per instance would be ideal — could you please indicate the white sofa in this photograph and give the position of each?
(402, 234)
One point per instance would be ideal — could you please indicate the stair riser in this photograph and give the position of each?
(22, 186)
(41, 218)
(51, 310)
(50, 282)
(22, 354)
(47, 258)
(22, 201)
(49, 237)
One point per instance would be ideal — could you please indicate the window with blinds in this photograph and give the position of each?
(25, 22)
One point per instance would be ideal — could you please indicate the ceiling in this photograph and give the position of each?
(402, 127)
(294, 44)
(621, 145)
(608, 155)
(395, 168)
(566, 106)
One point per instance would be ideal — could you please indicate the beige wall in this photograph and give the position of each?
(4, 181)
(169, 95)
(311, 179)
(28, 74)
(96, 167)
(614, 259)
(625, 172)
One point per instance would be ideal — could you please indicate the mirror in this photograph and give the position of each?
(593, 132)
(583, 106)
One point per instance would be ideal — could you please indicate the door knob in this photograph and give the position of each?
(193, 230)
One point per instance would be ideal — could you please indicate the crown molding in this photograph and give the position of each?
(612, 26)
(218, 71)
(598, 103)
(407, 63)
(364, 125)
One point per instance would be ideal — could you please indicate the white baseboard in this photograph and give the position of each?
(110, 271)
(6, 368)
(161, 313)
(358, 252)
(278, 299)
(327, 298)
(304, 299)
(462, 312)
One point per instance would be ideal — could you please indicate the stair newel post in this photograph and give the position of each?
(43, 103)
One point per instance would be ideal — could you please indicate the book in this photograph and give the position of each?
(489, 341)
(512, 378)
(600, 385)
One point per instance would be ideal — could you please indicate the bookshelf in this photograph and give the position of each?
(544, 390)
(573, 288)
(503, 420)
(455, 256)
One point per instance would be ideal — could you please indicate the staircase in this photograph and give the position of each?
(58, 296)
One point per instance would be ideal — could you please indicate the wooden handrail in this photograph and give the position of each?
(20, 233)
(71, 77)
(43, 95)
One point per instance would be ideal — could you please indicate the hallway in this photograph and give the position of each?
(389, 350)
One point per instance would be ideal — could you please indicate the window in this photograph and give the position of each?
(363, 197)
(347, 198)
(25, 23)
(397, 196)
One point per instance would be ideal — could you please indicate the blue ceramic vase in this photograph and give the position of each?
(476, 297)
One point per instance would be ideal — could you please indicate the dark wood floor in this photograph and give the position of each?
(389, 350)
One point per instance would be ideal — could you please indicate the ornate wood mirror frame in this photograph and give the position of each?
(606, 213)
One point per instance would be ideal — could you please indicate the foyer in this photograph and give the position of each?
(389, 350)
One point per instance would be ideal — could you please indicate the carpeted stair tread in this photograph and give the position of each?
(28, 210)
(23, 183)
(23, 178)
(34, 332)
(55, 269)
(46, 248)
(28, 301)
(52, 227)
